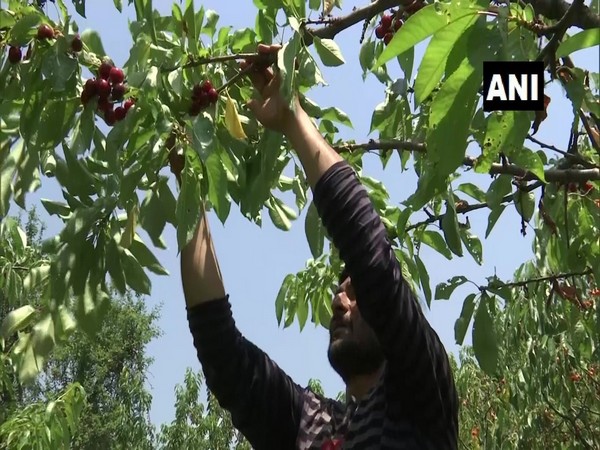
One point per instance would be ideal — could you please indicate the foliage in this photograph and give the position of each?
(196, 425)
(113, 186)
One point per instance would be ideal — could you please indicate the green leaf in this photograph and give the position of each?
(24, 29)
(450, 229)
(16, 320)
(281, 296)
(505, 132)
(473, 245)
(424, 277)
(526, 159)
(493, 217)
(118, 5)
(188, 208)
(336, 115)
(524, 204)
(443, 291)
(436, 242)
(462, 323)
(145, 257)
(451, 111)
(134, 273)
(83, 133)
(278, 214)
(330, 53)
(93, 42)
(417, 28)
(211, 23)
(286, 58)
(485, 343)
(315, 231)
(583, 39)
(499, 188)
(402, 221)
(203, 132)
(8, 170)
(434, 61)
(473, 191)
(217, 185)
(114, 265)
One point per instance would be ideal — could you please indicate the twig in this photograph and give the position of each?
(588, 130)
(236, 77)
(575, 157)
(551, 175)
(584, 18)
(358, 15)
(470, 208)
(524, 283)
(560, 29)
(214, 59)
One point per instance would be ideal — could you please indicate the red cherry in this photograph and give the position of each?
(398, 24)
(195, 109)
(45, 31)
(197, 91)
(104, 105)
(120, 113)
(572, 187)
(206, 86)
(586, 188)
(386, 21)
(77, 44)
(104, 71)
(380, 32)
(90, 87)
(14, 54)
(102, 88)
(213, 95)
(387, 38)
(85, 97)
(109, 117)
(118, 91)
(116, 75)
(128, 104)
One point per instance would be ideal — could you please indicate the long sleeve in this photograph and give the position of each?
(419, 382)
(265, 404)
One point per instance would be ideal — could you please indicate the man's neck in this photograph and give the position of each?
(360, 385)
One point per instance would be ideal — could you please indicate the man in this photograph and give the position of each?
(399, 386)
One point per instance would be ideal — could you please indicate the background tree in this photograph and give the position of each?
(107, 141)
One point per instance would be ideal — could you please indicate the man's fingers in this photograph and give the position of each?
(264, 48)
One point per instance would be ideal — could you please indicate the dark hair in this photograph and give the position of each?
(343, 275)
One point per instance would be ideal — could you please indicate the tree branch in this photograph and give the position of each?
(523, 283)
(358, 15)
(560, 29)
(584, 17)
(551, 175)
(474, 207)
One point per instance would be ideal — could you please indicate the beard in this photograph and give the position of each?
(351, 357)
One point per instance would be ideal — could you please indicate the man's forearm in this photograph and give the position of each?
(200, 273)
(315, 154)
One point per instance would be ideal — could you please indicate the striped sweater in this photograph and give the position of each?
(414, 403)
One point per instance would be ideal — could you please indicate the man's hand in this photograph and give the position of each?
(270, 108)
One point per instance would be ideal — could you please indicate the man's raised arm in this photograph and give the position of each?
(265, 404)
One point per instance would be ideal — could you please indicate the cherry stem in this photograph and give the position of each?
(214, 59)
(236, 77)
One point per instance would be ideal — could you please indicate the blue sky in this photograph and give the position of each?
(255, 260)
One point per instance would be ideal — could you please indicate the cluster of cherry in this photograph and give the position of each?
(110, 89)
(390, 23)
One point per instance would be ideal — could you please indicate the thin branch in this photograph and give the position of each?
(523, 283)
(236, 77)
(560, 29)
(469, 208)
(551, 175)
(358, 15)
(588, 130)
(577, 158)
(584, 18)
(214, 59)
